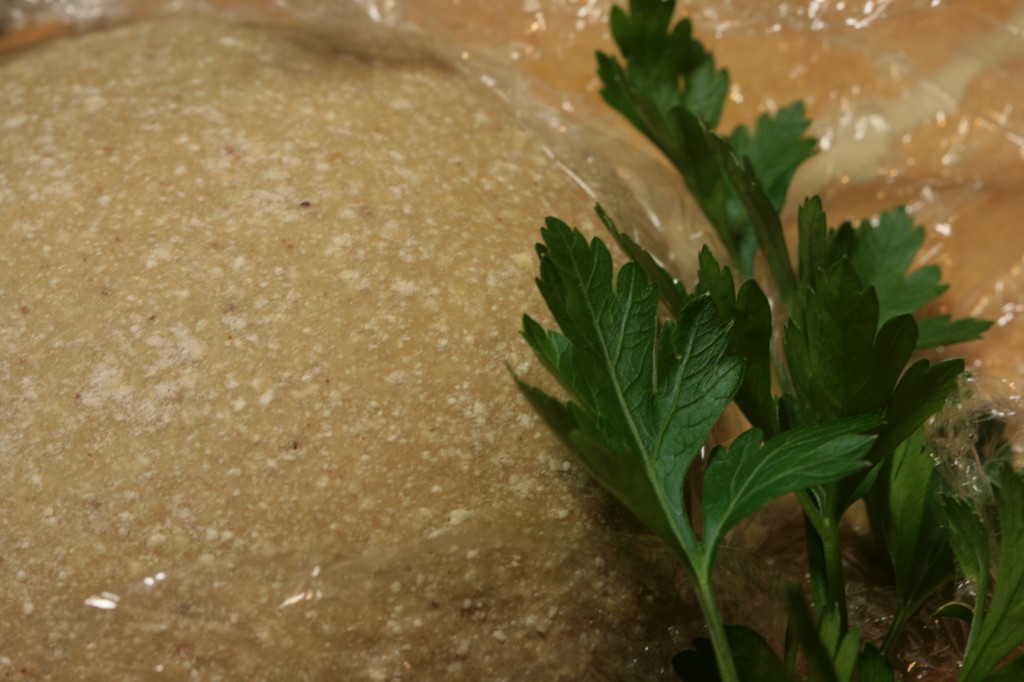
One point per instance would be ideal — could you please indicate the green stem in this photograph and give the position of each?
(899, 621)
(716, 629)
(698, 565)
(824, 559)
(834, 574)
(792, 647)
(816, 564)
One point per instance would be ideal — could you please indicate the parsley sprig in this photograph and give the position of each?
(836, 402)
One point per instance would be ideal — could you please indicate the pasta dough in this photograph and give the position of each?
(258, 294)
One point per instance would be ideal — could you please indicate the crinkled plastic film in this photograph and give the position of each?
(915, 103)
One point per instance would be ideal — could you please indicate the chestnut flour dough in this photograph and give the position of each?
(257, 293)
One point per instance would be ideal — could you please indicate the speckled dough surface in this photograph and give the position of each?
(256, 294)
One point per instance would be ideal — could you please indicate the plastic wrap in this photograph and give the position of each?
(913, 102)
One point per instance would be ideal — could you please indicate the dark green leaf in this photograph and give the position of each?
(839, 366)
(672, 293)
(845, 660)
(668, 69)
(751, 317)
(690, 150)
(755, 660)
(863, 484)
(1011, 672)
(748, 476)
(940, 330)
(556, 353)
(621, 473)
(801, 625)
(812, 227)
(761, 216)
(647, 400)
(776, 149)
(1001, 630)
(706, 90)
(671, 91)
(921, 392)
(873, 666)
(612, 329)
(968, 538)
(955, 609)
(882, 255)
(903, 510)
(697, 664)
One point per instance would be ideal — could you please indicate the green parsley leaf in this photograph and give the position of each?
(921, 392)
(840, 362)
(672, 293)
(908, 487)
(802, 628)
(955, 609)
(941, 330)
(813, 242)
(1011, 672)
(873, 666)
(647, 400)
(664, 69)
(750, 315)
(743, 479)
(846, 655)
(755, 660)
(668, 86)
(882, 256)
(969, 539)
(882, 253)
(761, 217)
(775, 150)
(904, 510)
(998, 626)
